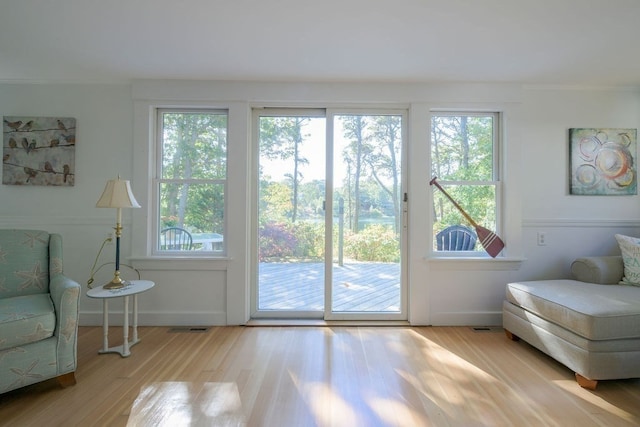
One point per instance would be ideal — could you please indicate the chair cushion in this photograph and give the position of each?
(26, 319)
(24, 262)
(593, 311)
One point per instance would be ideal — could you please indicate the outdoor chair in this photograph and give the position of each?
(456, 238)
(175, 239)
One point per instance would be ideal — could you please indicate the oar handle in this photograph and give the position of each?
(466, 215)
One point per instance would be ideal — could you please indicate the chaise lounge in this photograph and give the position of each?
(38, 311)
(590, 324)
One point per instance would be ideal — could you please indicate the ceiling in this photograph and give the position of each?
(564, 42)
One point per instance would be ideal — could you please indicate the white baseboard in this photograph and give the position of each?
(484, 318)
(219, 318)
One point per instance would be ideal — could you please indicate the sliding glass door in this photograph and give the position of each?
(329, 217)
(367, 190)
(291, 214)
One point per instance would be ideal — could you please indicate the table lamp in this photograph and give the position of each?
(117, 194)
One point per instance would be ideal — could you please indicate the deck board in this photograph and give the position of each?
(357, 287)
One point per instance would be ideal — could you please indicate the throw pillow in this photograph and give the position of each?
(630, 248)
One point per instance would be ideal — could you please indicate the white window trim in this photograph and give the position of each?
(498, 147)
(157, 180)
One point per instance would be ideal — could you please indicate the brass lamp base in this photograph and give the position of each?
(115, 283)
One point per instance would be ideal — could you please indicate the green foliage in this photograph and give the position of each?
(310, 239)
(374, 243)
(305, 241)
(462, 151)
(194, 165)
(275, 202)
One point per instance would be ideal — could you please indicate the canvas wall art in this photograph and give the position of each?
(603, 161)
(39, 151)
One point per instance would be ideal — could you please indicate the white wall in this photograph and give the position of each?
(190, 292)
(104, 138)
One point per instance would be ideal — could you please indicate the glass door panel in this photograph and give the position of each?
(367, 216)
(291, 219)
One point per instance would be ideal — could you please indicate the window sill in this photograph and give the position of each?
(181, 263)
(474, 263)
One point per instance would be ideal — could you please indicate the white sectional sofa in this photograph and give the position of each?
(590, 324)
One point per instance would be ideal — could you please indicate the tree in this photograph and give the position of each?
(354, 130)
(281, 138)
(383, 158)
(194, 148)
(462, 150)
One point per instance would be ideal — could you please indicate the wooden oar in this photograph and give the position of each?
(488, 239)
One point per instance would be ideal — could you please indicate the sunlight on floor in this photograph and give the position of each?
(327, 407)
(187, 404)
(593, 398)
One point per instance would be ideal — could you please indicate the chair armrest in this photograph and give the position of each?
(604, 270)
(65, 294)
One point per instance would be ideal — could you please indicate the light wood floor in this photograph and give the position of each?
(321, 376)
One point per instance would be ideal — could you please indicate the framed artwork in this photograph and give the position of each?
(38, 151)
(603, 161)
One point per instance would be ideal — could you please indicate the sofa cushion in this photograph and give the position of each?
(593, 311)
(26, 319)
(630, 248)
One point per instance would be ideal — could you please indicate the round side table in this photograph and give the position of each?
(133, 287)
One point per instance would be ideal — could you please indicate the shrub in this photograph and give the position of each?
(375, 243)
(277, 240)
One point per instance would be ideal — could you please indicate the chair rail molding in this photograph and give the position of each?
(584, 223)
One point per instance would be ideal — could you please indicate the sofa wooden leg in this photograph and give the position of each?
(511, 336)
(586, 382)
(67, 380)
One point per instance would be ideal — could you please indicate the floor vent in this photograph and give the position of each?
(487, 329)
(198, 329)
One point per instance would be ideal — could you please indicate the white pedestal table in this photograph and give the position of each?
(133, 287)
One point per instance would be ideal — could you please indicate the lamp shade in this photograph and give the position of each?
(117, 194)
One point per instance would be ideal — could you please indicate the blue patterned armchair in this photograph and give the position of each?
(38, 311)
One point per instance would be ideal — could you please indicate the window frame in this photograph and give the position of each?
(158, 181)
(496, 178)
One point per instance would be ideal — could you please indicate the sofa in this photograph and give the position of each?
(38, 311)
(590, 323)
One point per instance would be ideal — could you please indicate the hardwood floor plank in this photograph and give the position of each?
(321, 376)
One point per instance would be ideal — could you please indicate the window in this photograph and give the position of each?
(464, 158)
(191, 176)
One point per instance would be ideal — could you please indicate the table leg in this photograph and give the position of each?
(135, 319)
(105, 325)
(125, 328)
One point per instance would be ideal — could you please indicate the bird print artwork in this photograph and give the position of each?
(13, 125)
(27, 126)
(70, 139)
(38, 150)
(31, 173)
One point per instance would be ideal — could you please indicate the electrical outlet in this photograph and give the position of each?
(542, 238)
(109, 236)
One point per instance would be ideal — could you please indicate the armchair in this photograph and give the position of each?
(38, 311)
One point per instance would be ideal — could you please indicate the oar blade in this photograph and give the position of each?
(489, 241)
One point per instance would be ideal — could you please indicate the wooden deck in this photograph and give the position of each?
(357, 287)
